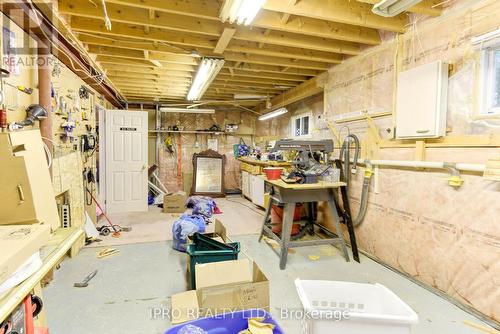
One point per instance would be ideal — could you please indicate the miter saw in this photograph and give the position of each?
(310, 161)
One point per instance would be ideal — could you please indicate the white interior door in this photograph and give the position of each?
(126, 160)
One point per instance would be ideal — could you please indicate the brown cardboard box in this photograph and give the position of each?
(222, 287)
(175, 203)
(18, 243)
(27, 193)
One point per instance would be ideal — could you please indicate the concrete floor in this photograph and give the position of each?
(154, 225)
(144, 276)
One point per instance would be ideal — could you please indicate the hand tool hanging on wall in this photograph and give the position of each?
(21, 88)
(34, 113)
(89, 184)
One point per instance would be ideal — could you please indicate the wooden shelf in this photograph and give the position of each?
(202, 132)
(190, 132)
(52, 253)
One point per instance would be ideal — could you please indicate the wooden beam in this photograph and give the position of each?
(189, 62)
(319, 28)
(257, 68)
(284, 18)
(426, 7)
(113, 76)
(166, 58)
(151, 12)
(110, 64)
(245, 73)
(185, 35)
(224, 40)
(306, 89)
(104, 57)
(348, 12)
(194, 8)
(275, 61)
(266, 19)
(236, 46)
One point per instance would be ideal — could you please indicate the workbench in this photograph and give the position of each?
(252, 186)
(290, 194)
(64, 241)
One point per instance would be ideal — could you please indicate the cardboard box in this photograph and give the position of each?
(18, 243)
(175, 203)
(219, 234)
(222, 287)
(25, 184)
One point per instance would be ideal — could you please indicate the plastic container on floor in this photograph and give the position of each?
(201, 252)
(229, 323)
(368, 308)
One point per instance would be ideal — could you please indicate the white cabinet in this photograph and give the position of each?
(257, 190)
(245, 184)
(421, 102)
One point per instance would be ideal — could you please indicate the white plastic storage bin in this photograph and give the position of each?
(370, 308)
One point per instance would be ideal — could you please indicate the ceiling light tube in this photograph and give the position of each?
(249, 96)
(207, 71)
(484, 38)
(187, 110)
(390, 8)
(240, 11)
(273, 114)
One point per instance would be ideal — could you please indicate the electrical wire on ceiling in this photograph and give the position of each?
(186, 51)
(100, 77)
(107, 21)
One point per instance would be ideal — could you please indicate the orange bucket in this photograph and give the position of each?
(277, 218)
(273, 173)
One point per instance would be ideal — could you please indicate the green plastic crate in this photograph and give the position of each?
(202, 252)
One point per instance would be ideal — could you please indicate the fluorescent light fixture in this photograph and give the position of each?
(187, 110)
(273, 114)
(240, 11)
(390, 8)
(484, 38)
(207, 71)
(250, 97)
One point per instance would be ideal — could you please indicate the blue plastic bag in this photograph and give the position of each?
(202, 205)
(185, 226)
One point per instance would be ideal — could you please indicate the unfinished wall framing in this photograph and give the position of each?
(176, 168)
(444, 237)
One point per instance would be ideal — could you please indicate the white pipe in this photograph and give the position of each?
(471, 167)
(425, 164)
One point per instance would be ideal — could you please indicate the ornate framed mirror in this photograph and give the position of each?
(208, 174)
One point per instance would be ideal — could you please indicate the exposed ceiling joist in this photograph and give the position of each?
(319, 28)
(228, 56)
(349, 12)
(266, 19)
(194, 38)
(224, 40)
(236, 46)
